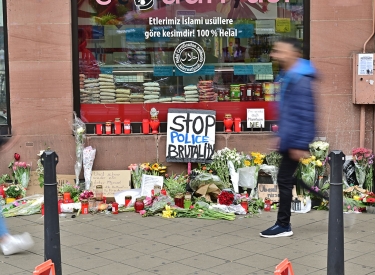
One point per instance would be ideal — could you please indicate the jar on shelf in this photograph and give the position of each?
(250, 91)
(139, 205)
(187, 203)
(243, 92)
(235, 92)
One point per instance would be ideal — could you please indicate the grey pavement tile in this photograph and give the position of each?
(122, 240)
(202, 261)
(303, 246)
(178, 226)
(114, 268)
(259, 261)
(200, 233)
(88, 262)
(203, 272)
(143, 272)
(148, 246)
(174, 239)
(68, 253)
(146, 262)
(7, 268)
(318, 261)
(151, 233)
(364, 260)
(120, 254)
(359, 246)
(17, 222)
(24, 260)
(95, 247)
(175, 254)
(68, 269)
(258, 246)
(73, 239)
(202, 246)
(173, 269)
(291, 254)
(350, 254)
(229, 240)
(233, 268)
(224, 228)
(358, 269)
(228, 253)
(198, 223)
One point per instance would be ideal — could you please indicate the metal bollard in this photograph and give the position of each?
(52, 249)
(335, 259)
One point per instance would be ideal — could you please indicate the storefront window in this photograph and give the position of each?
(138, 54)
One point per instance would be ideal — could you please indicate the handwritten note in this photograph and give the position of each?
(255, 118)
(271, 191)
(148, 183)
(112, 181)
(34, 187)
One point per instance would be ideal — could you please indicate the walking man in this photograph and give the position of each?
(296, 125)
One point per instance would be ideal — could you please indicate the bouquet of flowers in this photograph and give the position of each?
(273, 160)
(225, 197)
(157, 169)
(137, 171)
(219, 163)
(363, 160)
(79, 129)
(15, 191)
(85, 195)
(21, 172)
(72, 189)
(319, 149)
(88, 162)
(307, 167)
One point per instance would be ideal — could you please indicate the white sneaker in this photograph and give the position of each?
(17, 243)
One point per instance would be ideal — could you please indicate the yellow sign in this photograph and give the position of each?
(282, 24)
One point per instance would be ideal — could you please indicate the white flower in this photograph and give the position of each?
(40, 153)
(80, 130)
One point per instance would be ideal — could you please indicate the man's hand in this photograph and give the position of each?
(297, 154)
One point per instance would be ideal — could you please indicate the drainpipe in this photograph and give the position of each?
(362, 125)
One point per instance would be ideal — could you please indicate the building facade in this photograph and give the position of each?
(43, 70)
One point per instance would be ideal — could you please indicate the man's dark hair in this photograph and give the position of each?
(296, 44)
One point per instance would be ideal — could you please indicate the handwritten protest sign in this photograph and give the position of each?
(112, 181)
(271, 191)
(34, 187)
(148, 183)
(190, 135)
(255, 118)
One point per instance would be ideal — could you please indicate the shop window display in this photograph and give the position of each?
(190, 56)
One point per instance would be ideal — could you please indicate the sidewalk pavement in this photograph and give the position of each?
(129, 244)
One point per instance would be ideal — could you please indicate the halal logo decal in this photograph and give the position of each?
(144, 4)
(189, 57)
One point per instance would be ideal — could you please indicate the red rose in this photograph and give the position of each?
(17, 156)
(370, 200)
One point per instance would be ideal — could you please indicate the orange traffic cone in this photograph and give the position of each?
(284, 268)
(46, 268)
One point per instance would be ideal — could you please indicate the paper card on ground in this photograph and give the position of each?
(148, 183)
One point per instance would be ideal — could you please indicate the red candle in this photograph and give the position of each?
(126, 126)
(267, 205)
(84, 207)
(117, 126)
(67, 197)
(244, 205)
(163, 192)
(114, 208)
(42, 209)
(274, 128)
(128, 199)
(99, 129)
(59, 206)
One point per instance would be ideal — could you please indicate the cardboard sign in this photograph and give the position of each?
(34, 187)
(190, 135)
(271, 191)
(255, 118)
(148, 183)
(112, 181)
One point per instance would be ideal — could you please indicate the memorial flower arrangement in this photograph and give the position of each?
(137, 170)
(319, 149)
(307, 171)
(363, 161)
(15, 191)
(225, 198)
(219, 163)
(21, 172)
(274, 159)
(157, 169)
(85, 195)
(79, 130)
(72, 189)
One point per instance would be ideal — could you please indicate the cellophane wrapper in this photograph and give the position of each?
(79, 129)
(88, 162)
(31, 206)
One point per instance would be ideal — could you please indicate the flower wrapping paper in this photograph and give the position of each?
(88, 161)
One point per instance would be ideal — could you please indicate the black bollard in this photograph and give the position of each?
(52, 249)
(335, 259)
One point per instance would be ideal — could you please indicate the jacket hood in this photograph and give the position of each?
(304, 67)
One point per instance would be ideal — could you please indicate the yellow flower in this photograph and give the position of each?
(247, 163)
(162, 171)
(168, 213)
(319, 163)
(356, 198)
(155, 166)
(162, 167)
(313, 157)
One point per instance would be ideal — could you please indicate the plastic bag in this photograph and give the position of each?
(248, 177)
(270, 170)
(234, 176)
(79, 130)
(134, 193)
(236, 209)
(203, 179)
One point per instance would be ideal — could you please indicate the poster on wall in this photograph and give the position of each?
(365, 64)
(190, 135)
(255, 118)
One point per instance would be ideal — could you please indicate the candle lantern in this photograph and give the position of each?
(267, 204)
(228, 122)
(296, 205)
